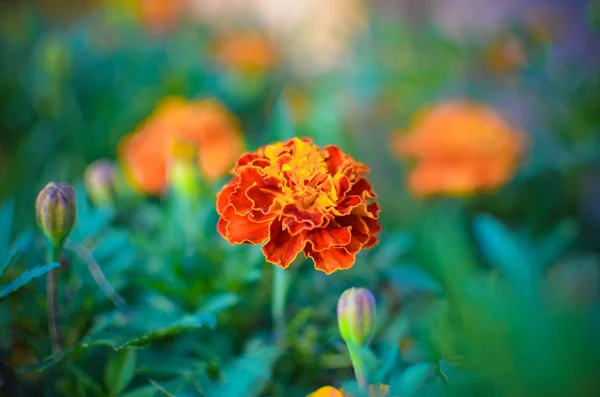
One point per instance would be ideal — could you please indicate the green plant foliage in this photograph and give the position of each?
(487, 294)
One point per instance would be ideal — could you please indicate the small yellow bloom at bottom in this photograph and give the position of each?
(326, 391)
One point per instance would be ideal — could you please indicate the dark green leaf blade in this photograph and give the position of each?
(26, 278)
(120, 371)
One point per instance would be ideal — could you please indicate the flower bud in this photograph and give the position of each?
(99, 181)
(56, 211)
(356, 316)
(183, 170)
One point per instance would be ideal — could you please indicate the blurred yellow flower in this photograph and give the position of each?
(246, 51)
(460, 147)
(206, 124)
(328, 391)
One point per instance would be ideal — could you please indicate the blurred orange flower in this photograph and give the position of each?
(300, 198)
(206, 124)
(328, 391)
(160, 15)
(246, 51)
(460, 147)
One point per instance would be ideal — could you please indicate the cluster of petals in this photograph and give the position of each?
(460, 148)
(297, 197)
(204, 124)
(328, 391)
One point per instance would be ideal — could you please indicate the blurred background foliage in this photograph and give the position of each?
(488, 293)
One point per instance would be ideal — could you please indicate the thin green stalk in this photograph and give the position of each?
(280, 289)
(53, 307)
(360, 369)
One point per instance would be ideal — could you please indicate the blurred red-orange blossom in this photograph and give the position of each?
(300, 198)
(460, 148)
(146, 153)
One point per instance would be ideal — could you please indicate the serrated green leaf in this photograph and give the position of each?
(119, 339)
(26, 277)
(120, 371)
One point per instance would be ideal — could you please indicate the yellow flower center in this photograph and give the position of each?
(310, 184)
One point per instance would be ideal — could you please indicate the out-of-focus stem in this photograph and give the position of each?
(280, 288)
(53, 307)
(360, 369)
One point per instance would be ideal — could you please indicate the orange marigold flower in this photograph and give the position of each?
(247, 52)
(460, 147)
(206, 124)
(300, 198)
(328, 391)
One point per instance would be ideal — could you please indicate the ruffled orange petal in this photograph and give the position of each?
(224, 195)
(241, 230)
(325, 238)
(296, 219)
(331, 259)
(282, 247)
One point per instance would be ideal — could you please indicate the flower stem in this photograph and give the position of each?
(53, 309)
(360, 369)
(280, 288)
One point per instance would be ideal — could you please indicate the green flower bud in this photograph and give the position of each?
(356, 316)
(99, 180)
(56, 212)
(183, 170)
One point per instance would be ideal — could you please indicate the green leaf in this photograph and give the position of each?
(7, 210)
(144, 391)
(86, 381)
(27, 277)
(119, 339)
(218, 303)
(120, 371)
(556, 242)
(248, 375)
(13, 255)
(415, 377)
(503, 251)
(410, 279)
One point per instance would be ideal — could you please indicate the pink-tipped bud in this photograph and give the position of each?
(99, 181)
(356, 316)
(56, 211)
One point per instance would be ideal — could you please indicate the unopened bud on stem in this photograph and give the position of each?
(56, 212)
(100, 182)
(356, 316)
